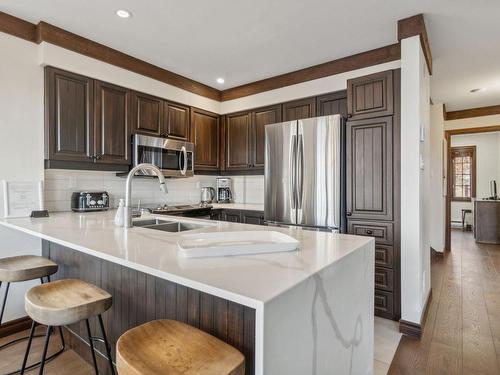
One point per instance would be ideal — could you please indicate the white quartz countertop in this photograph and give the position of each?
(251, 280)
(238, 206)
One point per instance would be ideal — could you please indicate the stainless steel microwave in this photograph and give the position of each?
(175, 158)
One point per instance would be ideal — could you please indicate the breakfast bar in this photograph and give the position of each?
(308, 311)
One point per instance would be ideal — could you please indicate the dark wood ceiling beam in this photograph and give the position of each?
(413, 26)
(473, 112)
(73, 42)
(342, 65)
(17, 27)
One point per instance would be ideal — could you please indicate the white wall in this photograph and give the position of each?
(487, 166)
(21, 143)
(302, 90)
(415, 207)
(472, 122)
(437, 199)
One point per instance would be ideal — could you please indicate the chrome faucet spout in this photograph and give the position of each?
(128, 189)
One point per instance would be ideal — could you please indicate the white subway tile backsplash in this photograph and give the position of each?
(59, 184)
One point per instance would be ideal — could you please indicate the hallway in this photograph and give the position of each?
(462, 331)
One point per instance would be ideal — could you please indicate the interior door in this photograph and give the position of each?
(280, 171)
(318, 172)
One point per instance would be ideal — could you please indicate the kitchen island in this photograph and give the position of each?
(308, 311)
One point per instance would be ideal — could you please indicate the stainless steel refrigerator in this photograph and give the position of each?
(305, 173)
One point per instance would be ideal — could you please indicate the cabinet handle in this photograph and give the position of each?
(369, 232)
(98, 157)
(91, 156)
(349, 115)
(348, 214)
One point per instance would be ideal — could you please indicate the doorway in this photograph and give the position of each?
(473, 161)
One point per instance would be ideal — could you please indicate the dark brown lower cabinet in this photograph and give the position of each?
(139, 298)
(238, 216)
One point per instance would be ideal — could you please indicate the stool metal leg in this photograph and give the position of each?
(4, 301)
(25, 360)
(91, 342)
(45, 348)
(106, 344)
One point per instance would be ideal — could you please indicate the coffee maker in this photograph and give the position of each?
(224, 194)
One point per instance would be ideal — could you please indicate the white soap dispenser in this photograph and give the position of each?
(120, 214)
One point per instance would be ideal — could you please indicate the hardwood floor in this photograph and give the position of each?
(462, 331)
(67, 363)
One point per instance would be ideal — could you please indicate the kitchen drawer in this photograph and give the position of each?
(384, 279)
(384, 256)
(383, 232)
(384, 304)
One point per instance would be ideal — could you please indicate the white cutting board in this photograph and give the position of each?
(234, 243)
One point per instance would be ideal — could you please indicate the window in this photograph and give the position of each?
(463, 161)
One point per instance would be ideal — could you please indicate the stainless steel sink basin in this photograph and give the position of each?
(167, 225)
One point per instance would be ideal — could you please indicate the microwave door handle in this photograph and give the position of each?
(185, 164)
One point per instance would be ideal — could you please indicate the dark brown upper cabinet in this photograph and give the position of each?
(111, 124)
(369, 158)
(205, 134)
(148, 114)
(238, 129)
(299, 109)
(68, 116)
(332, 104)
(176, 121)
(260, 118)
(370, 96)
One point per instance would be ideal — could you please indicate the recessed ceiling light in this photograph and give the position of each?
(477, 90)
(123, 13)
(220, 80)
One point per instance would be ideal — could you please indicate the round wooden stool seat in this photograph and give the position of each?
(173, 348)
(65, 302)
(25, 267)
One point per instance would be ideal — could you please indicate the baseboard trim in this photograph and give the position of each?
(415, 330)
(434, 252)
(15, 326)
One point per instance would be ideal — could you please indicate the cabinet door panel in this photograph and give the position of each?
(371, 96)
(332, 104)
(370, 169)
(261, 118)
(148, 111)
(112, 124)
(238, 141)
(69, 120)
(299, 109)
(233, 216)
(252, 217)
(176, 121)
(205, 131)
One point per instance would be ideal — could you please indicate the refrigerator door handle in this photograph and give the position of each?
(293, 169)
(300, 171)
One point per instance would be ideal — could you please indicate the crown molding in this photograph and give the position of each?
(361, 60)
(472, 112)
(413, 26)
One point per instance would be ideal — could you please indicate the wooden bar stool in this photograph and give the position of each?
(169, 347)
(24, 268)
(65, 302)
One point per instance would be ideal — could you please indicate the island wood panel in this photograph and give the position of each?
(140, 297)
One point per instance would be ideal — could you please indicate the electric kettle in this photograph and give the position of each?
(207, 194)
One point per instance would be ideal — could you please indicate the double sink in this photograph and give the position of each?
(167, 225)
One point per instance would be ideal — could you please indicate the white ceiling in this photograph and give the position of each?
(244, 41)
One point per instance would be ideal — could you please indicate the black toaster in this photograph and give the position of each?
(85, 201)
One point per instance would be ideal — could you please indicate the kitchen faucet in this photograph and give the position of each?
(128, 189)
